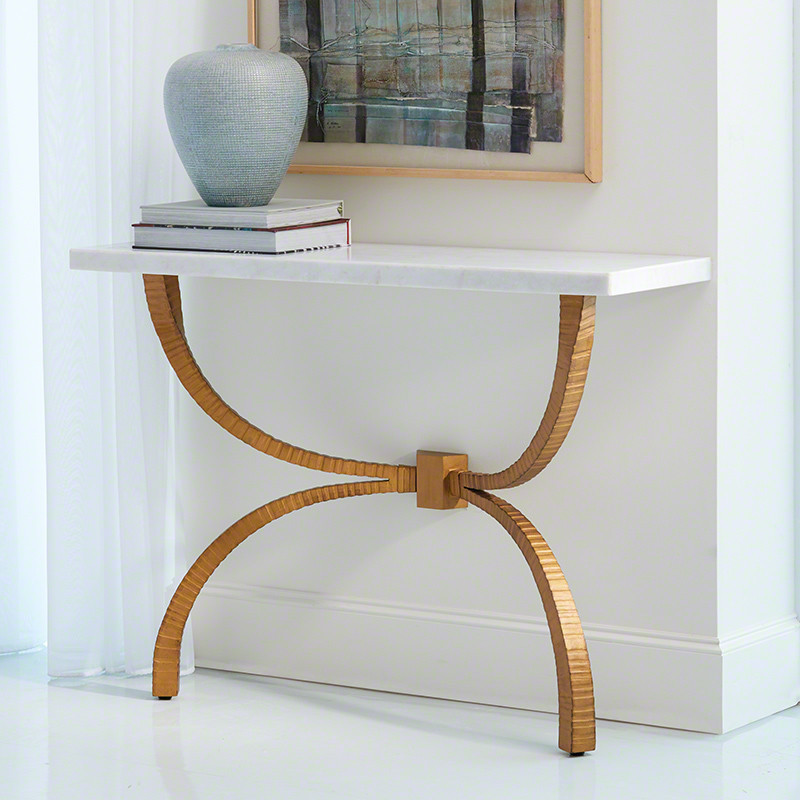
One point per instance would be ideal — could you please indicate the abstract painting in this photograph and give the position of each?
(470, 74)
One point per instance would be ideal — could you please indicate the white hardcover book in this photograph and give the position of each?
(281, 213)
(335, 233)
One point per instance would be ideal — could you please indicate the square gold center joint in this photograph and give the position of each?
(432, 484)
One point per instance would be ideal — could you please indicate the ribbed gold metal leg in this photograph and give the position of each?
(167, 655)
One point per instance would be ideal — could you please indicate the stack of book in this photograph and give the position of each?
(283, 226)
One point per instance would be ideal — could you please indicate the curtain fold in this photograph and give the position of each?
(115, 548)
(22, 465)
(107, 409)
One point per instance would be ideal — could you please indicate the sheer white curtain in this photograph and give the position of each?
(796, 122)
(22, 489)
(115, 549)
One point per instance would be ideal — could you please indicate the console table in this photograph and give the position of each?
(439, 480)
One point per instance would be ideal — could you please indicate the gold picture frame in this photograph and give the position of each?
(592, 115)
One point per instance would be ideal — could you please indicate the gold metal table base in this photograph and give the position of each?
(441, 480)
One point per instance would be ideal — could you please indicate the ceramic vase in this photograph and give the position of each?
(236, 115)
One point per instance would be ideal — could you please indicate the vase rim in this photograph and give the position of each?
(237, 46)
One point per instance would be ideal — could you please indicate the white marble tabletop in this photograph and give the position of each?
(418, 266)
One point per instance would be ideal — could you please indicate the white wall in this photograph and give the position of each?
(377, 593)
(755, 341)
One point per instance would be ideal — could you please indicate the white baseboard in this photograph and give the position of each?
(645, 676)
(761, 673)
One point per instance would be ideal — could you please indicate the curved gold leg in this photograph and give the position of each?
(166, 658)
(444, 483)
(164, 301)
(575, 338)
(576, 727)
(575, 689)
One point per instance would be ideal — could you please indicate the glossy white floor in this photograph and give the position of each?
(240, 736)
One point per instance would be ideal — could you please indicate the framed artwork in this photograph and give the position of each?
(495, 89)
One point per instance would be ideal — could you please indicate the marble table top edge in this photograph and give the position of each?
(477, 269)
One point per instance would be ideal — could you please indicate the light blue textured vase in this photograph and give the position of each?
(236, 115)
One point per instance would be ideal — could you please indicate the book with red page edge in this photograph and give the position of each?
(339, 221)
